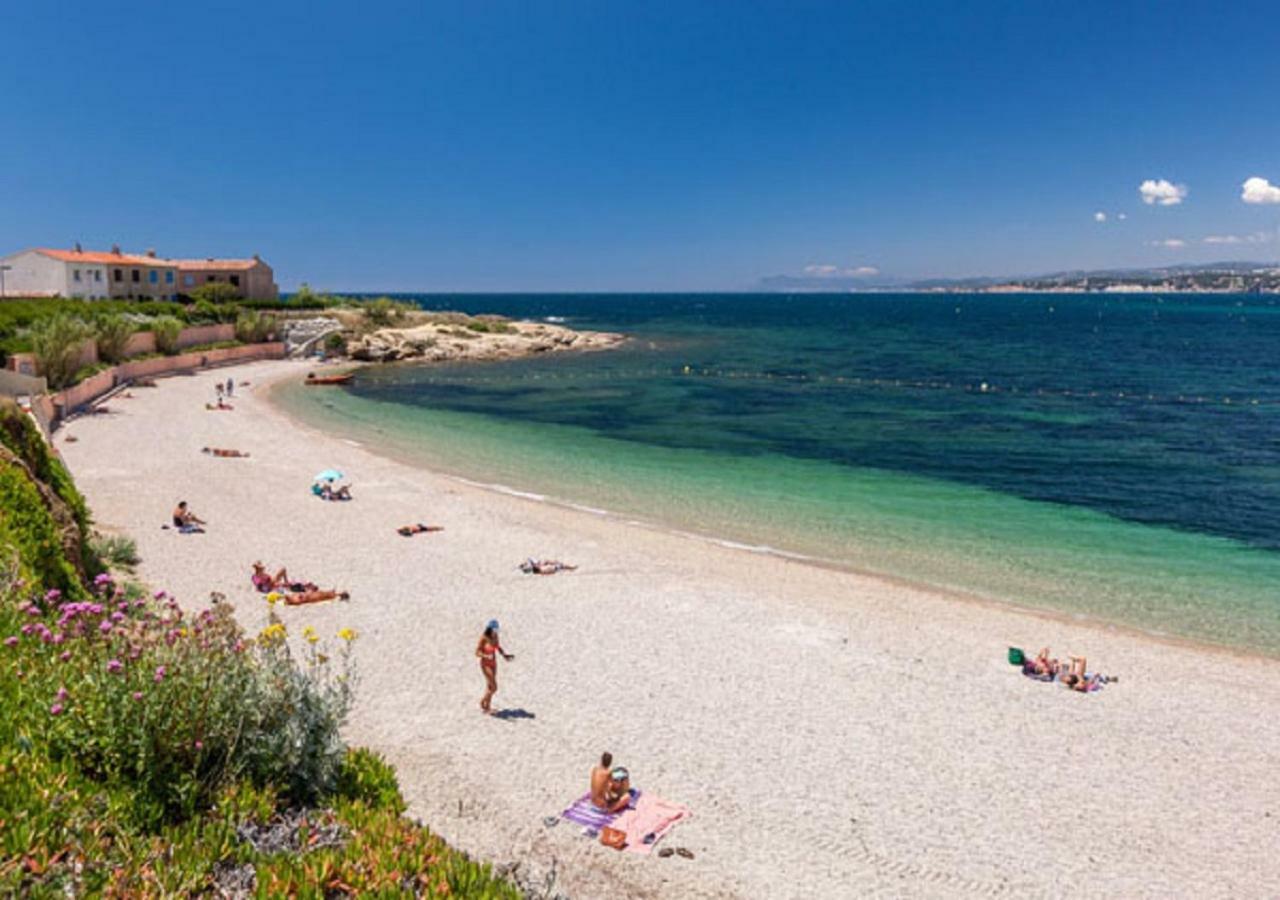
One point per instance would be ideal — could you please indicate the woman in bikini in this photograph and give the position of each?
(266, 583)
(487, 651)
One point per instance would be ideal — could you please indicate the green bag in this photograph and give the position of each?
(1016, 656)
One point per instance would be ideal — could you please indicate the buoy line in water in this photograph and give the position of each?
(981, 387)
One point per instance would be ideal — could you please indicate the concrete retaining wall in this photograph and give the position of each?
(91, 388)
(14, 384)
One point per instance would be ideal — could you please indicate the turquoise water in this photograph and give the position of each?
(1119, 461)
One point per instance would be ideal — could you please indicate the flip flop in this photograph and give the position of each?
(685, 852)
(665, 852)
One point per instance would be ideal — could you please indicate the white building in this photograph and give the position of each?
(56, 273)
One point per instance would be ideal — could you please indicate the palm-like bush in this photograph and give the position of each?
(112, 333)
(167, 329)
(57, 342)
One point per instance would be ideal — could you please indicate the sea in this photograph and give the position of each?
(1109, 457)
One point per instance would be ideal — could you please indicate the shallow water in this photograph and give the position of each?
(1111, 457)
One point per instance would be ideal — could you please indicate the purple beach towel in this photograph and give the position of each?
(583, 812)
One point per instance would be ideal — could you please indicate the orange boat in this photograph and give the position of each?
(312, 378)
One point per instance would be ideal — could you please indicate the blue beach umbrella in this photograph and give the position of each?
(329, 475)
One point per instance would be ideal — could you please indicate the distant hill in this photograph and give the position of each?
(1241, 276)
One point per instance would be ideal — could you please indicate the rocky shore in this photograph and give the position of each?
(437, 337)
(480, 339)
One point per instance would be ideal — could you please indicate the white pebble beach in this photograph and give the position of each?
(835, 734)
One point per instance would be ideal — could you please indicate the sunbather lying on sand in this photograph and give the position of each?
(533, 566)
(219, 451)
(410, 530)
(218, 405)
(315, 595)
(1080, 679)
(266, 583)
(327, 491)
(1043, 666)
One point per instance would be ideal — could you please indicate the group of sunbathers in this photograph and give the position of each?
(533, 566)
(294, 593)
(326, 490)
(1074, 676)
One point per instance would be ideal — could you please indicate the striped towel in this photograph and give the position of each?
(584, 812)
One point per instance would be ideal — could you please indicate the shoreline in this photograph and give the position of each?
(939, 590)
(833, 733)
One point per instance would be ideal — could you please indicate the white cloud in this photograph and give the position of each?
(1258, 237)
(829, 271)
(1161, 192)
(1169, 243)
(1259, 190)
(1099, 217)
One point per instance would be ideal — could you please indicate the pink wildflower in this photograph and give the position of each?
(117, 617)
(114, 665)
(62, 694)
(52, 595)
(65, 656)
(59, 638)
(137, 695)
(105, 627)
(199, 745)
(11, 641)
(95, 608)
(160, 672)
(55, 710)
(160, 595)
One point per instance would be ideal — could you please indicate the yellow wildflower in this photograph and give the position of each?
(273, 598)
(347, 634)
(272, 633)
(310, 634)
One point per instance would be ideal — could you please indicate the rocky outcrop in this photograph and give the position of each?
(478, 339)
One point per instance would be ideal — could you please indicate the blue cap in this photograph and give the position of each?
(493, 623)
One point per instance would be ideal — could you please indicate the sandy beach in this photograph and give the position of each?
(834, 735)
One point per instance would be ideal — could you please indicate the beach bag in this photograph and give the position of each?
(613, 837)
(1016, 656)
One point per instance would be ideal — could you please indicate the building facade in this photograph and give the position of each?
(55, 273)
(146, 277)
(252, 278)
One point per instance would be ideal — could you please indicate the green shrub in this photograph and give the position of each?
(490, 326)
(20, 435)
(253, 326)
(57, 342)
(180, 707)
(383, 312)
(367, 778)
(215, 292)
(167, 329)
(112, 331)
(335, 343)
(119, 551)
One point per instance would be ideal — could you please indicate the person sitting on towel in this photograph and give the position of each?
(185, 520)
(617, 795)
(600, 781)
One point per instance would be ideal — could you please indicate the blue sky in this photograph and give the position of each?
(641, 146)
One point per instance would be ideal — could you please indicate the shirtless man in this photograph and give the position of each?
(600, 781)
(185, 520)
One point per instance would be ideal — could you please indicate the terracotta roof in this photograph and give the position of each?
(194, 264)
(106, 259)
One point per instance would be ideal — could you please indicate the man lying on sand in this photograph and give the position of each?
(314, 595)
(410, 530)
(327, 491)
(219, 451)
(218, 405)
(533, 566)
(1076, 677)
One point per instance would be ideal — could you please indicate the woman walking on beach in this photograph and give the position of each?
(487, 651)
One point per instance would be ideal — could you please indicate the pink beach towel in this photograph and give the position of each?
(651, 815)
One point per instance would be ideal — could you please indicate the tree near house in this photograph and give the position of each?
(112, 332)
(215, 292)
(56, 343)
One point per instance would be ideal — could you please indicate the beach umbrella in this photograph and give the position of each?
(329, 475)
